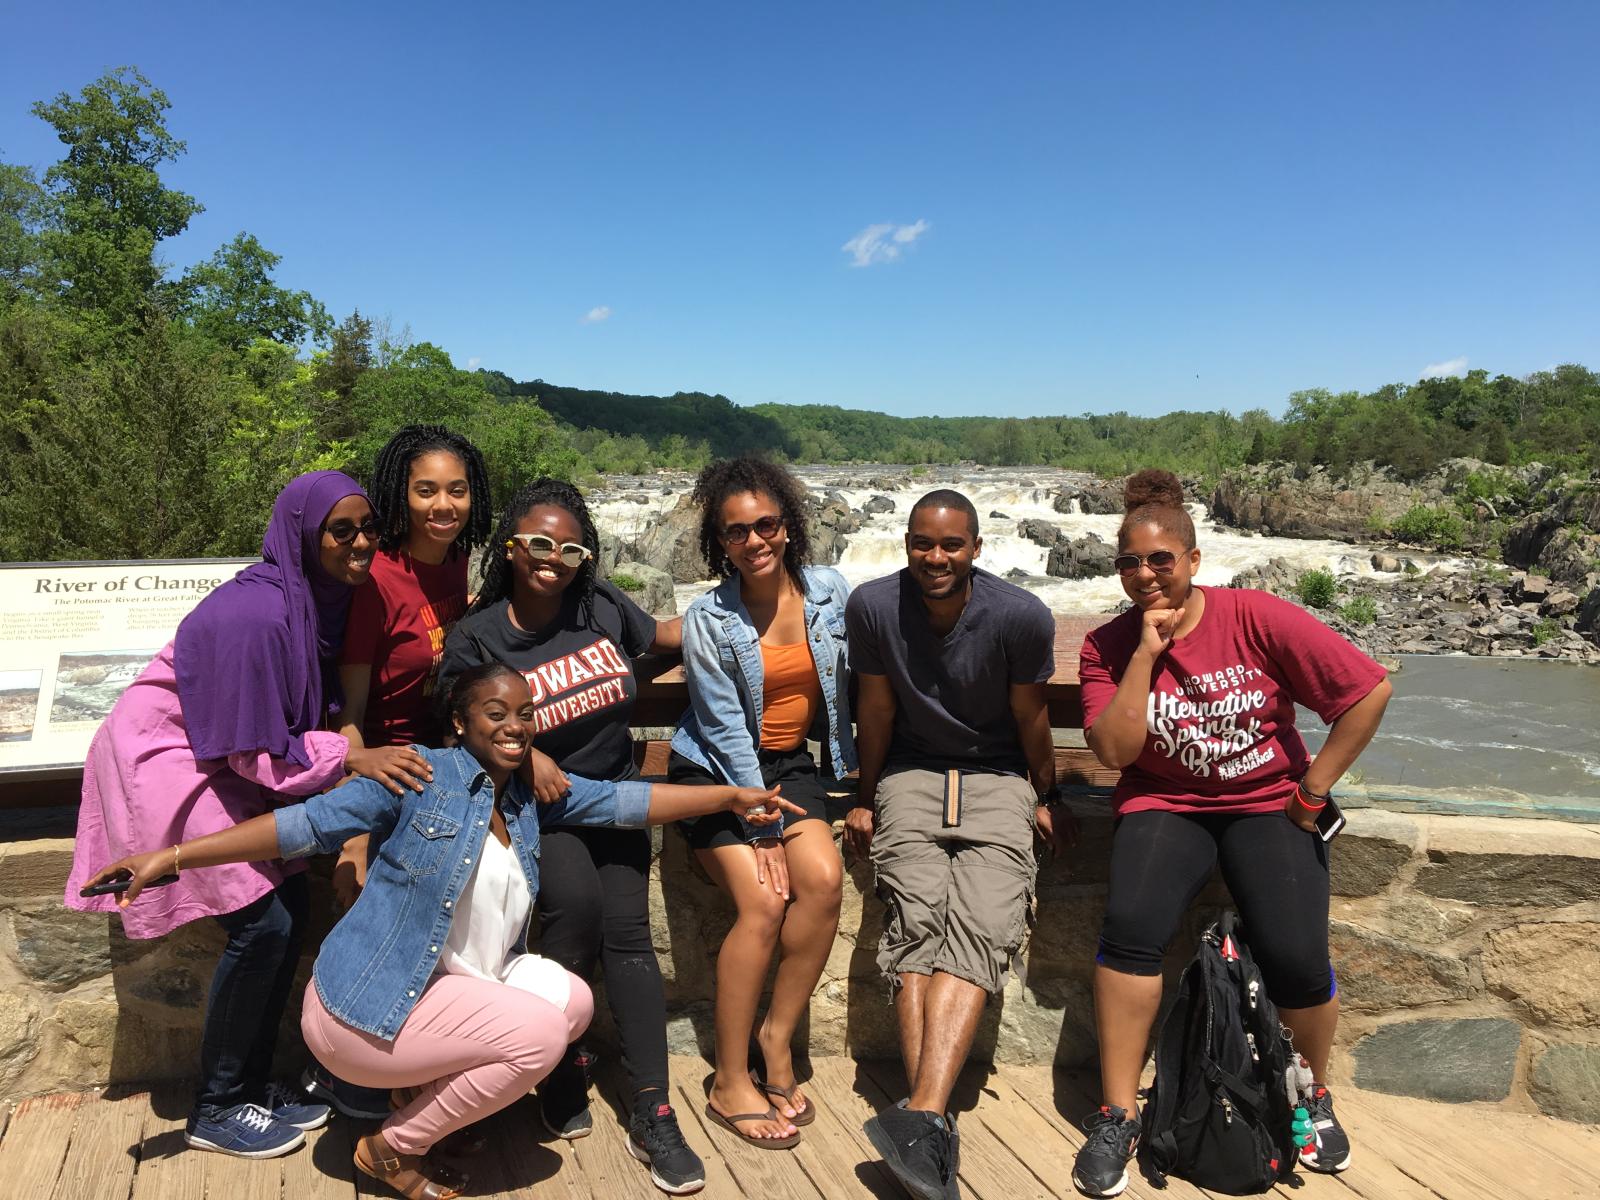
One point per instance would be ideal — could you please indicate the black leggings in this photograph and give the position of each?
(594, 905)
(1276, 872)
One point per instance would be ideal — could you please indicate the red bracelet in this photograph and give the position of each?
(1306, 798)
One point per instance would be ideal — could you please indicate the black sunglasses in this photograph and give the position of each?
(765, 528)
(345, 532)
(1157, 560)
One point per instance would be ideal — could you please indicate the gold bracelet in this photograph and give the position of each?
(175, 858)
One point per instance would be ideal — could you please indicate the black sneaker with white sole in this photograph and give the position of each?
(655, 1139)
(1101, 1168)
(1333, 1143)
(921, 1149)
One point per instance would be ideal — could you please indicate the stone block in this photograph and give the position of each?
(1550, 969)
(1511, 861)
(19, 1034)
(1367, 857)
(97, 1040)
(1420, 919)
(34, 869)
(1470, 1059)
(1377, 973)
(59, 948)
(1565, 1082)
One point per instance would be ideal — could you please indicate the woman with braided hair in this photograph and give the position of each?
(431, 493)
(543, 610)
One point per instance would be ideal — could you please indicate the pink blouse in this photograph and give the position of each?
(143, 789)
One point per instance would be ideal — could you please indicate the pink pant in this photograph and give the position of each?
(474, 1047)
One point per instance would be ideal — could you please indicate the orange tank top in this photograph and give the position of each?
(790, 696)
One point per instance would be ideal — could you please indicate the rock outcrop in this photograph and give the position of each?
(1275, 499)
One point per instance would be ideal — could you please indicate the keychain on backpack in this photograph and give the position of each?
(1298, 1083)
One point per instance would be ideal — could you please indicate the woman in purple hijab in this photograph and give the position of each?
(227, 723)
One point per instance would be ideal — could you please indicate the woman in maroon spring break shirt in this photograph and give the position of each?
(1191, 696)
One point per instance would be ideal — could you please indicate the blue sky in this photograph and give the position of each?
(1098, 207)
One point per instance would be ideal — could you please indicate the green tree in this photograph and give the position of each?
(231, 298)
(114, 208)
(26, 211)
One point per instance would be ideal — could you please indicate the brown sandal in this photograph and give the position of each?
(730, 1122)
(804, 1117)
(405, 1172)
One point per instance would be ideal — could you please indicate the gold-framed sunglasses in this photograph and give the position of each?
(538, 545)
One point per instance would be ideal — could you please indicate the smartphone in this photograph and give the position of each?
(115, 887)
(1330, 820)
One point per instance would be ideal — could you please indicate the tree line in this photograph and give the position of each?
(148, 413)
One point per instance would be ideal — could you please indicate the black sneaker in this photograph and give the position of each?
(654, 1138)
(1333, 1143)
(564, 1098)
(919, 1147)
(359, 1103)
(1101, 1168)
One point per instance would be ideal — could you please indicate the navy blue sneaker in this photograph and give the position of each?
(248, 1131)
(358, 1103)
(290, 1105)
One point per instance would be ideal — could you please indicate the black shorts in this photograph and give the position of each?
(795, 770)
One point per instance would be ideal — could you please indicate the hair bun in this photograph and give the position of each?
(1152, 486)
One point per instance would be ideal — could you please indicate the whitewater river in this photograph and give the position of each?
(1455, 722)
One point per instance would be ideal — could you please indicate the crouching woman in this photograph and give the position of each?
(421, 987)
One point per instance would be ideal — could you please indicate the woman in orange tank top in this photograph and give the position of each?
(764, 659)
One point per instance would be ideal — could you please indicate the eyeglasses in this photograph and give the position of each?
(1161, 561)
(539, 545)
(345, 532)
(766, 528)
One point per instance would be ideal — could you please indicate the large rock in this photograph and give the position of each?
(1276, 575)
(878, 504)
(1100, 497)
(1472, 1059)
(1368, 856)
(648, 587)
(1511, 861)
(34, 869)
(1550, 969)
(829, 525)
(672, 544)
(1565, 1082)
(1041, 533)
(1273, 499)
(1087, 557)
(1377, 972)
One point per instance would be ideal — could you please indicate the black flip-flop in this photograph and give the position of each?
(731, 1124)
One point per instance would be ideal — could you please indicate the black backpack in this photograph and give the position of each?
(1218, 1114)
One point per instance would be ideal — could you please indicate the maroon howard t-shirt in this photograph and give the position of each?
(1220, 715)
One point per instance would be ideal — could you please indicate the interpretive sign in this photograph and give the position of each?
(74, 635)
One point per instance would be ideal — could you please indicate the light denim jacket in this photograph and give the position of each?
(722, 664)
(381, 954)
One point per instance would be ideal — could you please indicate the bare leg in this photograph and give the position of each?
(1313, 1033)
(741, 970)
(909, 1001)
(816, 879)
(949, 1019)
(1125, 1008)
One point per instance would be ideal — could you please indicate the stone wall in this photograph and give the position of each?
(1467, 950)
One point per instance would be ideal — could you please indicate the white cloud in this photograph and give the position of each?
(473, 363)
(598, 313)
(883, 243)
(1443, 370)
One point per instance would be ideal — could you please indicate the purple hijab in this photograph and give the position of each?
(253, 659)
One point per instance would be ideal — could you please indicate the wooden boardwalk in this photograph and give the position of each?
(1018, 1136)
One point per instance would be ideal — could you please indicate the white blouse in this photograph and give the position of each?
(485, 937)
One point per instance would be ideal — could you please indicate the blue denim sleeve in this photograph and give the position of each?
(600, 802)
(719, 709)
(322, 824)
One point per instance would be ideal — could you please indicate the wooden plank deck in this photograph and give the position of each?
(1018, 1137)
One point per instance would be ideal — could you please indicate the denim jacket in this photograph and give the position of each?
(722, 664)
(381, 954)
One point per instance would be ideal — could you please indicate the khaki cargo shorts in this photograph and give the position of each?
(956, 899)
